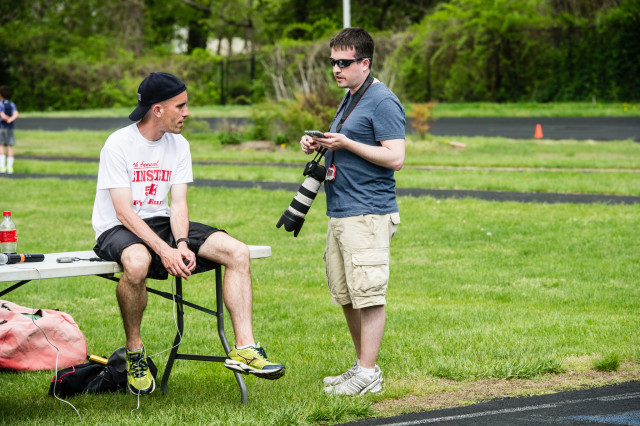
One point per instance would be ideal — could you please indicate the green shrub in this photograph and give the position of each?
(229, 138)
(281, 139)
(193, 125)
(263, 116)
(420, 115)
(287, 119)
(533, 50)
(76, 82)
(610, 362)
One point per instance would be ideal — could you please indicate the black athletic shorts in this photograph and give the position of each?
(112, 243)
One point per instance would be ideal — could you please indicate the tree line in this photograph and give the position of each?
(76, 54)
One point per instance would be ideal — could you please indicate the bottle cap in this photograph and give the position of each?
(7, 213)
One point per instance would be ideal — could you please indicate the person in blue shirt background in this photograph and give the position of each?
(8, 114)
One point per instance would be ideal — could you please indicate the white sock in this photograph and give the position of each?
(358, 362)
(9, 162)
(370, 372)
(2, 157)
(245, 346)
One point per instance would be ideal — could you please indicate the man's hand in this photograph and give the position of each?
(389, 154)
(172, 260)
(308, 144)
(188, 257)
(333, 141)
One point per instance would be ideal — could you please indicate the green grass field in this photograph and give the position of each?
(566, 166)
(478, 291)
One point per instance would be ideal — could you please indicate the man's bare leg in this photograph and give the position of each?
(353, 321)
(237, 292)
(131, 292)
(366, 326)
(372, 322)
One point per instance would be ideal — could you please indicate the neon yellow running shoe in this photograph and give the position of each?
(139, 378)
(253, 360)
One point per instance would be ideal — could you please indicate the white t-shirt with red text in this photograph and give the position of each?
(128, 160)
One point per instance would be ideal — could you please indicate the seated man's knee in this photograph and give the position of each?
(226, 250)
(239, 252)
(136, 260)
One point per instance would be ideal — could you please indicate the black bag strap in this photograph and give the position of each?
(353, 101)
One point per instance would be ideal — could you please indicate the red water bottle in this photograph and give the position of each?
(8, 239)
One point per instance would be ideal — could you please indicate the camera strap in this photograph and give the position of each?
(352, 103)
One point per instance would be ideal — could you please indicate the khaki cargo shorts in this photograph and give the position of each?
(357, 258)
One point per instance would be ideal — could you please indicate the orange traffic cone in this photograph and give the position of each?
(538, 134)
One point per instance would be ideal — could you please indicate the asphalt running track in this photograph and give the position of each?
(608, 405)
(579, 128)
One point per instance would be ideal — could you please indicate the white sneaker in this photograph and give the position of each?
(336, 380)
(358, 384)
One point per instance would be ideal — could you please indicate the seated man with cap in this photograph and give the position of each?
(136, 226)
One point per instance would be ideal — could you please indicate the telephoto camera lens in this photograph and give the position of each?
(293, 216)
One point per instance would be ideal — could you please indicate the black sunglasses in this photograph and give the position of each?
(343, 63)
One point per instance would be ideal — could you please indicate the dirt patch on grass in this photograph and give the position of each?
(440, 393)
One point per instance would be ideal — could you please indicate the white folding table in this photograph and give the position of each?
(88, 263)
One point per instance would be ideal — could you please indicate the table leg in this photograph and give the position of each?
(219, 314)
(179, 334)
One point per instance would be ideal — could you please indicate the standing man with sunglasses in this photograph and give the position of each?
(364, 146)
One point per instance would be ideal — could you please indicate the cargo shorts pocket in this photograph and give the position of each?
(370, 271)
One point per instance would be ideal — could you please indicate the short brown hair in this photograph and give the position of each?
(356, 38)
(5, 92)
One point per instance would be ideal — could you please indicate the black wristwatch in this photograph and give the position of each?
(186, 240)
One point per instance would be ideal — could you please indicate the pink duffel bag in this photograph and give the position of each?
(23, 346)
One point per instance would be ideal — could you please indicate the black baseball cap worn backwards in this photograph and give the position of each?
(156, 87)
